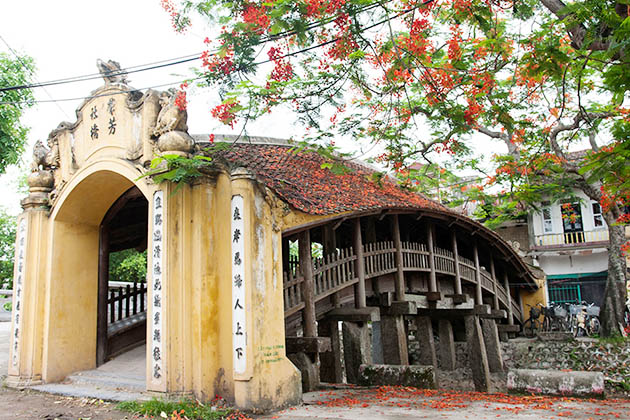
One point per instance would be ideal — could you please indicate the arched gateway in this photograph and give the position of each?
(226, 300)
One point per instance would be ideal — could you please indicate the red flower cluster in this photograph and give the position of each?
(180, 99)
(256, 17)
(317, 8)
(213, 63)
(179, 25)
(283, 70)
(226, 113)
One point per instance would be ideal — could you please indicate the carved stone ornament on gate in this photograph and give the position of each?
(171, 128)
(111, 72)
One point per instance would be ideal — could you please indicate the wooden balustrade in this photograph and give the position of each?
(336, 271)
(486, 281)
(467, 269)
(502, 293)
(518, 314)
(380, 258)
(293, 291)
(124, 302)
(444, 262)
(415, 256)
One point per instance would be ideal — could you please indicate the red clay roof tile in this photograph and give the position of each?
(298, 178)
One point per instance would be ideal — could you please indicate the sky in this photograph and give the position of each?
(66, 37)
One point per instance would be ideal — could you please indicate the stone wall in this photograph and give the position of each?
(613, 359)
(586, 354)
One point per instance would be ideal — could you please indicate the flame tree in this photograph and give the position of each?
(422, 78)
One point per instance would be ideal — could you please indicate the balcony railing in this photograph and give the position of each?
(571, 238)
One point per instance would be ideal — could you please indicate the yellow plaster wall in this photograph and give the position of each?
(533, 297)
(70, 330)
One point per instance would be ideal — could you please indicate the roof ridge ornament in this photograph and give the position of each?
(112, 72)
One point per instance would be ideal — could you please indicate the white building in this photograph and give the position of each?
(569, 241)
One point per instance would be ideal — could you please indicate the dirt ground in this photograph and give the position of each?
(366, 404)
(27, 405)
(398, 403)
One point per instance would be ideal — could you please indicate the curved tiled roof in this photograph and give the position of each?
(299, 179)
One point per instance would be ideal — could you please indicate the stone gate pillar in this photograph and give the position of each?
(263, 377)
(26, 339)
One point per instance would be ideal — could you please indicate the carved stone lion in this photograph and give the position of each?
(171, 117)
(40, 153)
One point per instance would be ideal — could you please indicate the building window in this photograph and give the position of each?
(598, 219)
(546, 216)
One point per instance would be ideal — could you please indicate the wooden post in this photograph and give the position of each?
(478, 295)
(308, 289)
(458, 277)
(432, 278)
(400, 275)
(495, 301)
(506, 284)
(329, 243)
(103, 291)
(329, 240)
(359, 290)
(285, 255)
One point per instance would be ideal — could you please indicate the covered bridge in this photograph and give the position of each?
(251, 269)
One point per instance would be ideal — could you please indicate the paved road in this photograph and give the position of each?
(389, 403)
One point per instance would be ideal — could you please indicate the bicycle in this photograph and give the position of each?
(556, 318)
(532, 325)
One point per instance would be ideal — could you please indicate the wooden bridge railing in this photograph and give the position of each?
(334, 272)
(126, 301)
(337, 271)
(380, 258)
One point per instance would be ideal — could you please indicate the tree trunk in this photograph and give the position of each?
(615, 294)
(611, 315)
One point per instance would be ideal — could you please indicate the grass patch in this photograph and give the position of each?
(613, 339)
(176, 410)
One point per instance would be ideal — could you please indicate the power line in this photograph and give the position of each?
(78, 98)
(167, 63)
(190, 58)
(97, 76)
(28, 69)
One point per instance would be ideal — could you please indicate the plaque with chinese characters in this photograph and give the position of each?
(157, 274)
(20, 271)
(239, 320)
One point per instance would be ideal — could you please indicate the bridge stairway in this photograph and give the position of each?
(120, 379)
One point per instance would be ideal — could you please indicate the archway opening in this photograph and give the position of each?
(121, 320)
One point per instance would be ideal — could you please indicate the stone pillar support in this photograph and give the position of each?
(424, 331)
(447, 345)
(356, 348)
(493, 347)
(477, 354)
(394, 339)
(359, 289)
(331, 367)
